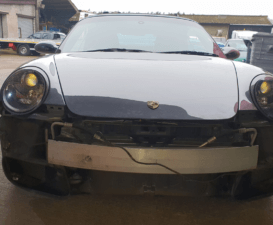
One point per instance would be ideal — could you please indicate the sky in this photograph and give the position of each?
(228, 7)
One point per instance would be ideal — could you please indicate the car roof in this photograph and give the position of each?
(53, 32)
(138, 14)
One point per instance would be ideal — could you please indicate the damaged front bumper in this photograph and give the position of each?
(31, 158)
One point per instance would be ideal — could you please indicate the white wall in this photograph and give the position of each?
(10, 20)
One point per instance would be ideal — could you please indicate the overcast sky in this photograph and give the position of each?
(234, 7)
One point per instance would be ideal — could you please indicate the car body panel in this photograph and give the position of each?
(246, 74)
(119, 85)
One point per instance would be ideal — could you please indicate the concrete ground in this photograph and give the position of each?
(26, 207)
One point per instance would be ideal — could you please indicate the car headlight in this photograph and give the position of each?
(24, 90)
(262, 93)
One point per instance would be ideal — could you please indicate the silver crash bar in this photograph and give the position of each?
(183, 160)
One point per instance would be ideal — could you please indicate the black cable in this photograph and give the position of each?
(100, 137)
(151, 164)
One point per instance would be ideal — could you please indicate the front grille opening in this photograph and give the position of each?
(155, 135)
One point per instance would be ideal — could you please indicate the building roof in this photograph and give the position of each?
(229, 19)
(76, 17)
(58, 12)
(215, 19)
(59, 5)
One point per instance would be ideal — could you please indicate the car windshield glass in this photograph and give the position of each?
(37, 35)
(144, 33)
(238, 44)
(46, 36)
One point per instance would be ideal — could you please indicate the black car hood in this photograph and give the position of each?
(119, 85)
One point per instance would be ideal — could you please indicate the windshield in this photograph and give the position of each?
(145, 33)
(238, 44)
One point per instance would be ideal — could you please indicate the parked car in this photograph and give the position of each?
(49, 35)
(238, 44)
(25, 47)
(243, 34)
(220, 39)
(129, 104)
(220, 44)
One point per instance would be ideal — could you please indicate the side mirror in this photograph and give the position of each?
(47, 48)
(231, 53)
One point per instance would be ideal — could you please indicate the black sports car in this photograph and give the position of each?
(138, 104)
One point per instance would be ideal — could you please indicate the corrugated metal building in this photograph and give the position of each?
(223, 25)
(18, 18)
(56, 13)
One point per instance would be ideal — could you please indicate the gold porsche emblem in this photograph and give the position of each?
(153, 104)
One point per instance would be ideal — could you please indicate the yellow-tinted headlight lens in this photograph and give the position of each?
(265, 87)
(31, 80)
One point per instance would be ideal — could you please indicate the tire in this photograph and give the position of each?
(23, 50)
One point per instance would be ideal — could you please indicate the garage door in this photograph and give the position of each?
(25, 27)
(1, 27)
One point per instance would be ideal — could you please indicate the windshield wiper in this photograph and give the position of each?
(116, 50)
(191, 53)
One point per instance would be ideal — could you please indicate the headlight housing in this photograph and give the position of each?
(24, 90)
(262, 94)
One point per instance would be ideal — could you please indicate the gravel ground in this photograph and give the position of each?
(26, 207)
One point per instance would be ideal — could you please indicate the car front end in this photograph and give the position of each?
(125, 122)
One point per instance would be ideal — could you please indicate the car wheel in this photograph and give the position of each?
(23, 50)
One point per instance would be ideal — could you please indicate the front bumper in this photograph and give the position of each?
(182, 160)
(31, 159)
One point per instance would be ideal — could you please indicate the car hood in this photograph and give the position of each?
(119, 85)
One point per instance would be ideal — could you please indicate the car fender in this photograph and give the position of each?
(47, 64)
(245, 74)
